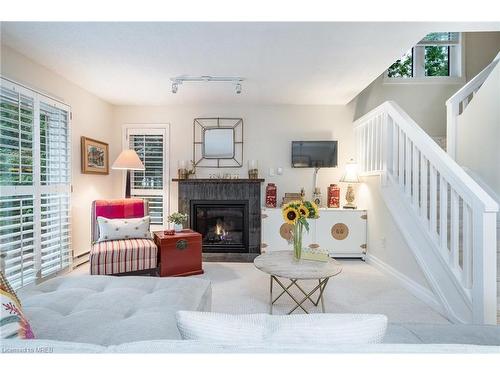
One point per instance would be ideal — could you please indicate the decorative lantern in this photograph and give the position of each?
(271, 192)
(333, 196)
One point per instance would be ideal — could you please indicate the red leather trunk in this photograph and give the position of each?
(180, 254)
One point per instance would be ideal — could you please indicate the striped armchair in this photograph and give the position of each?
(119, 257)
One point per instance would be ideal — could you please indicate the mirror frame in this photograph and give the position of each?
(201, 125)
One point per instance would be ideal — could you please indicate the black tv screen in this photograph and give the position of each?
(314, 154)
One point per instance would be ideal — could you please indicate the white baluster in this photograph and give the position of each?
(423, 187)
(415, 180)
(394, 148)
(433, 200)
(401, 160)
(467, 246)
(454, 228)
(408, 148)
(443, 215)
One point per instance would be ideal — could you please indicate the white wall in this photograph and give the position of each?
(268, 132)
(92, 117)
(478, 133)
(425, 102)
(385, 241)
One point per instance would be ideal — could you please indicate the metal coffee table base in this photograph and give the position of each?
(298, 303)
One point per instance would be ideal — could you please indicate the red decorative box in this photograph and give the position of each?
(180, 254)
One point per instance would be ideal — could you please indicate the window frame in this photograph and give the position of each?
(418, 66)
(152, 129)
(37, 190)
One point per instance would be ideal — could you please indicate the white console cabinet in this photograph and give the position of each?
(341, 231)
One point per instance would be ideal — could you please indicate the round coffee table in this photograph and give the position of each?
(282, 264)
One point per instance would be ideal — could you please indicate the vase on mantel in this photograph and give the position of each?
(298, 229)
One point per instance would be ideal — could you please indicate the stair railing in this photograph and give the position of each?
(458, 215)
(459, 101)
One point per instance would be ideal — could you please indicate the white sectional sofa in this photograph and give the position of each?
(106, 314)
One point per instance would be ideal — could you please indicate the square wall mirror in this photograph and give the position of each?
(218, 143)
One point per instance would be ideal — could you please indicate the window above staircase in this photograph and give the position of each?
(437, 58)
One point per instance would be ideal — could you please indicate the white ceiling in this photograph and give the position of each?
(283, 63)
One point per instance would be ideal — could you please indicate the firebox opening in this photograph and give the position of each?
(222, 224)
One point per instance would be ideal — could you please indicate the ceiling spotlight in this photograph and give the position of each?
(175, 87)
(238, 88)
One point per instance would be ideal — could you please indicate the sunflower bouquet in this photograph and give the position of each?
(296, 214)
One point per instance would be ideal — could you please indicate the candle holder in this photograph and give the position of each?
(253, 170)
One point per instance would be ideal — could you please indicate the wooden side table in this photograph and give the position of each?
(180, 253)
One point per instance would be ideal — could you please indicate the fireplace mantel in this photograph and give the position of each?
(220, 180)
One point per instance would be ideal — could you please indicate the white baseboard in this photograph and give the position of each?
(422, 293)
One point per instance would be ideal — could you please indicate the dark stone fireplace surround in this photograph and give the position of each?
(219, 190)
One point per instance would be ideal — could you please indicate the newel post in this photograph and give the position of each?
(484, 283)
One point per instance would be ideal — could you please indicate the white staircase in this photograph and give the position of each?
(447, 219)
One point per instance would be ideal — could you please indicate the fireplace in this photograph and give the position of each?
(223, 224)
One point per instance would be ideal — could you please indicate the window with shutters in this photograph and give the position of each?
(35, 183)
(437, 57)
(150, 144)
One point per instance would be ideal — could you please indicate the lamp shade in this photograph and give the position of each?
(351, 173)
(128, 159)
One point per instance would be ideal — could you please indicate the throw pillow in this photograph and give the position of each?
(13, 324)
(5, 286)
(123, 229)
(290, 329)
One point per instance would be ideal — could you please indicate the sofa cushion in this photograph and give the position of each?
(110, 257)
(107, 310)
(123, 229)
(299, 329)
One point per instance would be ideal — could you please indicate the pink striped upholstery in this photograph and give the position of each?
(117, 209)
(111, 257)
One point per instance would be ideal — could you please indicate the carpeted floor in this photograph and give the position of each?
(360, 288)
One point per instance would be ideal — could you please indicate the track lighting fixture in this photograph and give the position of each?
(176, 81)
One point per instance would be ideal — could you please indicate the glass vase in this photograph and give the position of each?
(297, 240)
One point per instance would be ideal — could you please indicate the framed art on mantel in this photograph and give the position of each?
(95, 158)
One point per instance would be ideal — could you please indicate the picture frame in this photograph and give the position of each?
(94, 156)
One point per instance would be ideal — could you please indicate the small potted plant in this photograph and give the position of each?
(177, 219)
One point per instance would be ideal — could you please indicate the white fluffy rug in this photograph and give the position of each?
(360, 288)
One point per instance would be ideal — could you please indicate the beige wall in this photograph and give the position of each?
(268, 132)
(92, 117)
(478, 134)
(425, 102)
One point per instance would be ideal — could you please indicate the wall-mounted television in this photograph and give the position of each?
(314, 154)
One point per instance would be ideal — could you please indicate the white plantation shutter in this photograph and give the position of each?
(150, 184)
(17, 239)
(35, 178)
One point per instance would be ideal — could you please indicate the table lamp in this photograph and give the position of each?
(351, 177)
(129, 161)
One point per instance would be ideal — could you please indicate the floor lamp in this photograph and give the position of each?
(128, 160)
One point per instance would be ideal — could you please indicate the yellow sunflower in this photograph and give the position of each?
(304, 211)
(314, 210)
(290, 215)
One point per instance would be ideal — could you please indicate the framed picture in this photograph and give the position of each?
(95, 156)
